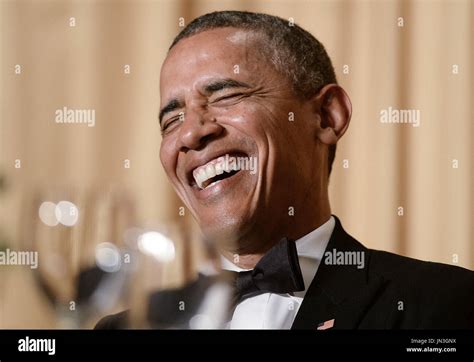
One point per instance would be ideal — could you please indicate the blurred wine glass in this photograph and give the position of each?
(201, 302)
(96, 260)
(77, 237)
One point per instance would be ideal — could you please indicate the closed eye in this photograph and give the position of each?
(229, 96)
(170, 124)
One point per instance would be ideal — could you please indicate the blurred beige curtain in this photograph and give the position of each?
(396, 187)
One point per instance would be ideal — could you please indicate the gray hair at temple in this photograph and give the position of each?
(293, 51)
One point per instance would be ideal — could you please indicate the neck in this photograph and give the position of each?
(308, 220)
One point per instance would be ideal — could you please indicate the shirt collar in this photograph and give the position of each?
(312, 245)
(228, 265)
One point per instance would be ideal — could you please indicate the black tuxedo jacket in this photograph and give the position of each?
(389, 292)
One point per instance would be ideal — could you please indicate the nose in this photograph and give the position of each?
(196, 130)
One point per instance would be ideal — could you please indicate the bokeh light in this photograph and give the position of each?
(107, 257)
(157, 245)
(67, 213)
(47, 213)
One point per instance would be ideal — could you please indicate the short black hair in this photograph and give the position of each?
(292, 50)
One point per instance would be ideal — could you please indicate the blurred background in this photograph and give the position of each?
(395, 187)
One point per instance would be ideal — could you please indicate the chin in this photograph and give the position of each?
(226, 230)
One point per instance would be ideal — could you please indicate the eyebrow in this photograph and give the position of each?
(210, 88)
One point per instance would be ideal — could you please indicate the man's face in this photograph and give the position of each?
(234, 103)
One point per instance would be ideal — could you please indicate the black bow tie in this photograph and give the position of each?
(277, 272)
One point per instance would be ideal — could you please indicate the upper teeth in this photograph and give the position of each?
(215, 167)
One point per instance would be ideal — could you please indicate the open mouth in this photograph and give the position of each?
(215, 171)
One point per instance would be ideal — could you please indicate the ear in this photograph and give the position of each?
(335, 110)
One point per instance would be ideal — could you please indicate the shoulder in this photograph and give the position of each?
(417, 272)
(440, 295)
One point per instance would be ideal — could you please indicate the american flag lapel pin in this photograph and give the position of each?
(326, 325)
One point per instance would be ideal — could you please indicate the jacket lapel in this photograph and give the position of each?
(340, 292)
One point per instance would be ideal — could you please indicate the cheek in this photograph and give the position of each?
(248, 118)
(168, 157)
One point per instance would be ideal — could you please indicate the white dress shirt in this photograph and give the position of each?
(278, 311)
